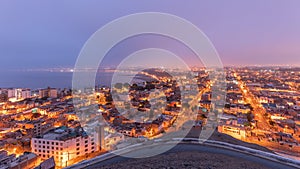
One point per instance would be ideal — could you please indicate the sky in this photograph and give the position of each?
(47, 34)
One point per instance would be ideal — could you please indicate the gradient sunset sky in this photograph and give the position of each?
(35, 34)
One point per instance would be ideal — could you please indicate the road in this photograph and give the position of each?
(184, 147)
(258, 110)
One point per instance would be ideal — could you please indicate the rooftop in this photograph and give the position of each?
(64, 133)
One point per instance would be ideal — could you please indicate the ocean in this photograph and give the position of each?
(43, 79)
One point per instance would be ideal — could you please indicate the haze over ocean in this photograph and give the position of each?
(43, 79)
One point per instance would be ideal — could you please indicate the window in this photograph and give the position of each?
(86, 150)
(47, 142)
(78, 144)
(77, 153)
(57, 143)
(78, 149)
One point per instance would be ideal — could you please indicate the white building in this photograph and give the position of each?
(111, 141)
(11, 93)
(232, 130)
(64, 144)
(25, 93)
(18, 93)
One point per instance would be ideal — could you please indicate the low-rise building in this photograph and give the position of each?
(64, 144)
(237, 132)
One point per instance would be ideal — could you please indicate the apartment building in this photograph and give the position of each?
(63, 144)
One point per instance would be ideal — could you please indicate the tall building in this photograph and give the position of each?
(48, 92)
(3, 95)
(64, 144)
(25, 93)
(11, 92)
(18, 93)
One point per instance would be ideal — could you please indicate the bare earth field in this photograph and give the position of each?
(190, 160)
(194, 159)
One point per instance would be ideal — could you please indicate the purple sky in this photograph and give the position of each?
(36, 34)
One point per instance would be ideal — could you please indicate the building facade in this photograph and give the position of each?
(63, 144)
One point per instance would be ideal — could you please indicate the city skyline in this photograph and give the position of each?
(131, 84)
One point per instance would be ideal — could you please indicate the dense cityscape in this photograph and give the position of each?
(43, 127)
